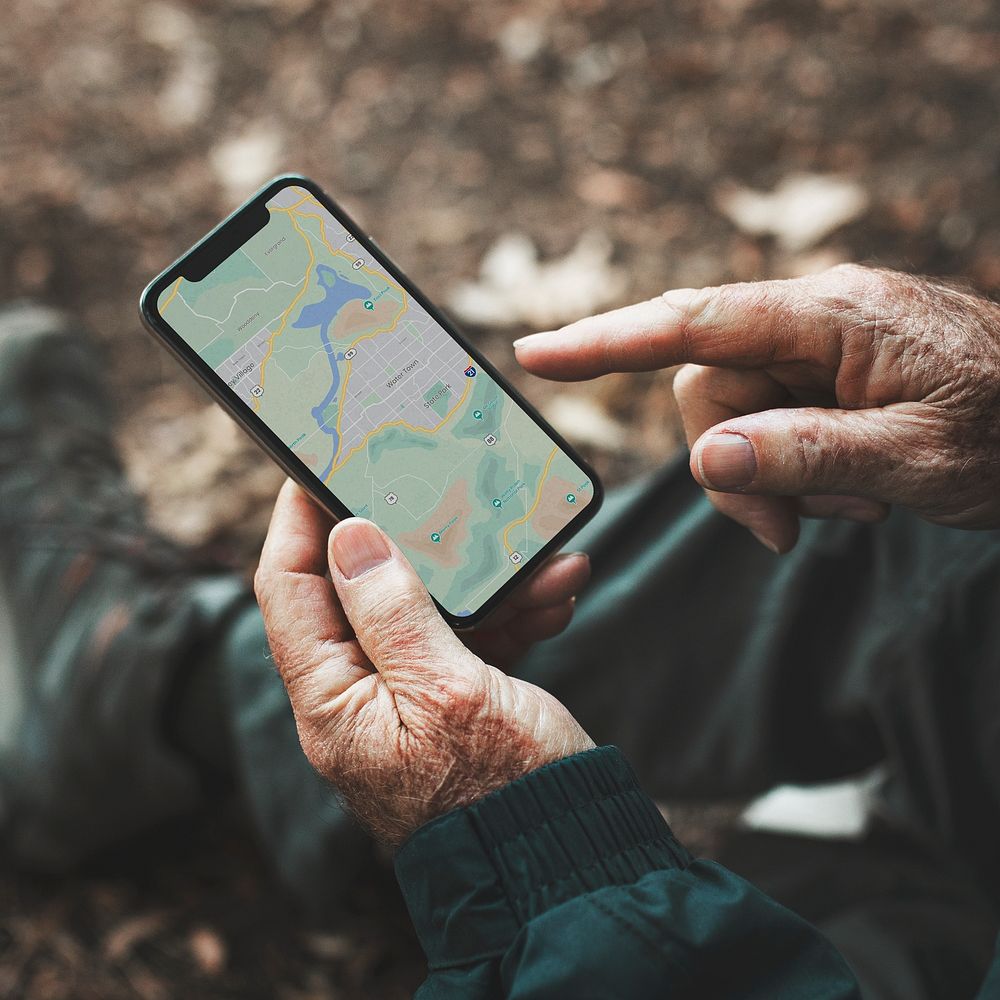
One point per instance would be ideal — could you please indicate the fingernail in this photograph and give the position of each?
(521, 341)
(358, 546)
(766, 542)
(727, 461)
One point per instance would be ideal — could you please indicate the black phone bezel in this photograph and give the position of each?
(224, 240)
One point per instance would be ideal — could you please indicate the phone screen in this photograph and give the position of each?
(381, 403)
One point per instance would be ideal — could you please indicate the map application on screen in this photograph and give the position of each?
(379, 401)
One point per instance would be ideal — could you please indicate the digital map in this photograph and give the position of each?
(379, 401)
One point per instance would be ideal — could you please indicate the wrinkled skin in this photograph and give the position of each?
(848, 391)
(856, 388)
(391, 706)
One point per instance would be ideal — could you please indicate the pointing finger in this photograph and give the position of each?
(743, 325)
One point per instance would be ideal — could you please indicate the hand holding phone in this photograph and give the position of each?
(391, 707)
(366, 395)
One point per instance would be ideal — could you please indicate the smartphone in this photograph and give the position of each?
(368, 397)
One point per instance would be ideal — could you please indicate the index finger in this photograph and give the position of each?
(747, 325)
(296, 536)
(305, 623)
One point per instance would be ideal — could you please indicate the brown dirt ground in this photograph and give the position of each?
(128, 128)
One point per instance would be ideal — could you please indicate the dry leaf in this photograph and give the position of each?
(522, 38)
(188, 92)
(798, 213)
(208, 949)
(515, 288)
(584, 421)
(244, 162)
(608, 188)
(120, 941)
(331, 947)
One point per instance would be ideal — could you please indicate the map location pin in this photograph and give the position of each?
(435, 537)
(478, 414)
(570, 498)
(497, 502)
(369, 305)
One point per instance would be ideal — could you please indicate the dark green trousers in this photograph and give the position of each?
(722, 670)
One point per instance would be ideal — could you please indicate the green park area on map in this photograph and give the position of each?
(379, 401)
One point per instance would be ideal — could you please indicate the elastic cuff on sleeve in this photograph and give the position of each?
(472, 878)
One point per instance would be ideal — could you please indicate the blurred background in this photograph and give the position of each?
(527, 163)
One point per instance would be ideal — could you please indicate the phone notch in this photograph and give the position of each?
(223, 242)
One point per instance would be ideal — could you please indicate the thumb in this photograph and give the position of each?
(393, 616)
(874, 453)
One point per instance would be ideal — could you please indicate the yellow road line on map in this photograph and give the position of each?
(337, 253)
(344, 253)
(287, 312)
(354, 343)
(408, 426)
(538, 497)
(350, 364)
(177, 284)
(388, 281)
(291, 208)
(368, 336)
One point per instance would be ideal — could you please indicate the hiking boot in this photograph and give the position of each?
(99, 619)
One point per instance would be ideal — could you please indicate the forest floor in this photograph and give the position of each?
(591, 153)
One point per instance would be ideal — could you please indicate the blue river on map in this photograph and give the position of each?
(337, 292)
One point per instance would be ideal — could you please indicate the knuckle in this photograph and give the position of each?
(691, 311)
(769, 314)
(394, 616)
(851, 275)
(816, 455)
(914, 342)
(847, 288)
(885, 356)
(399, 623)
(809, 458)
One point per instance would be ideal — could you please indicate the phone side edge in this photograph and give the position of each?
(158, 328)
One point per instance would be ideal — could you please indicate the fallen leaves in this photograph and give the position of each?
(799, 213)
(188, 92)
(121, 940)
(585, 421)
(243, 162)
(130, 127)
(610, 188)
(208, 950)
(194, 467)
(516, 288)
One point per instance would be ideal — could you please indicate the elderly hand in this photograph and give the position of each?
(390, 706)
(828, 396)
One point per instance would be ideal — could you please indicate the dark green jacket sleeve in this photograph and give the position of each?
(569, 883)
(990, 989)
